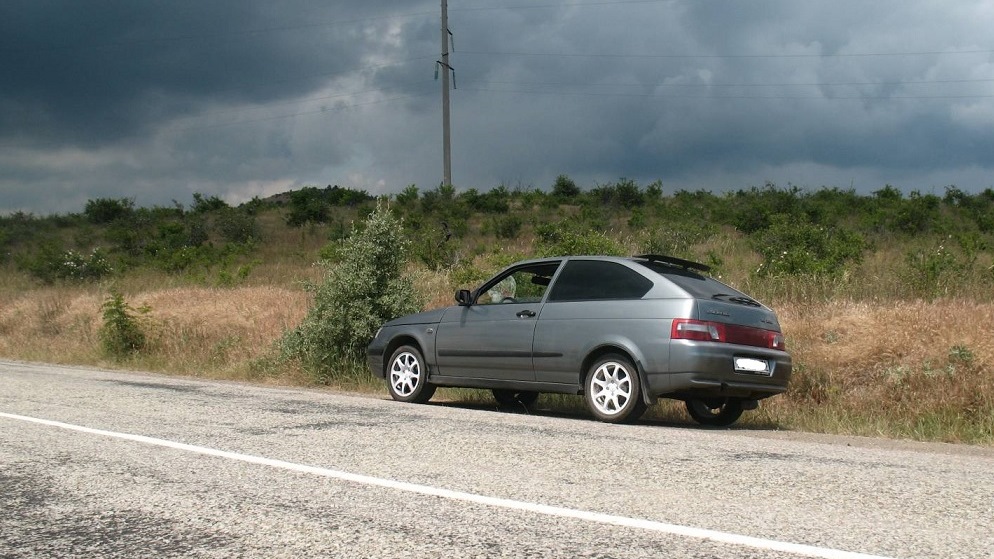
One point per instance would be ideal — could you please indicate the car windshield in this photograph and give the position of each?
(699, 286)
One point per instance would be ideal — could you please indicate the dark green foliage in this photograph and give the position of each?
(408, 196)
(50, 262)
(507, 227)
(106, 210)
(313, 205)
(565, 240)
(308, 205)
(121, 334)
(792, 245)
(439, 199)
(625, 193)
(494, 201)
(205, 205)
(565, 188)
(753, 209)
(236, 226)
(360, 292)
(919, 214)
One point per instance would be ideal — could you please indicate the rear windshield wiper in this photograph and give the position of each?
(737, 299)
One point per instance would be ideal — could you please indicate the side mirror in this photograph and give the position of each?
(464, 298)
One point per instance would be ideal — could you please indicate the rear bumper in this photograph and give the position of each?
(701, 369)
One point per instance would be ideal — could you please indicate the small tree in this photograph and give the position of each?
(364, 289)
(564, 187)
(121, 334)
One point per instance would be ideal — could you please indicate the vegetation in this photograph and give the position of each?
(886, 299)
(363, 288)
(121, 335)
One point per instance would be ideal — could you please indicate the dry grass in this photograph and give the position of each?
(868, 360)
(910, 369)
(218, 333)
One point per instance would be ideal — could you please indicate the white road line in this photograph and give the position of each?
(662, 527)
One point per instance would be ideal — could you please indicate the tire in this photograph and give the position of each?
(513, 397)
(613, 391)
(407, 376)
(715, 412)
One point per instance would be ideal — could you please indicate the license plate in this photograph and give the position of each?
(753, 366)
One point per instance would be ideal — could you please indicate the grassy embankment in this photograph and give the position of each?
(873, 356)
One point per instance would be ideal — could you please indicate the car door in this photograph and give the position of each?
(492, 338)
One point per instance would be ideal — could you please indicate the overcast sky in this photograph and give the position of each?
(157, 99)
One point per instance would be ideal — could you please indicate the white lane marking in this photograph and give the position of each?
(673, 529)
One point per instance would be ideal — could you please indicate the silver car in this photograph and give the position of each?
(621, 331)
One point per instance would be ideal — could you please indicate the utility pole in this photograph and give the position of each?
(446, 132)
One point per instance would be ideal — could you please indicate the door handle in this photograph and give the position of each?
(526, 314)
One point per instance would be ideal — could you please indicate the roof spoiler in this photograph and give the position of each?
(678, 262)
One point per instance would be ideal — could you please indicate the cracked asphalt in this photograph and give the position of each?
(65, 493)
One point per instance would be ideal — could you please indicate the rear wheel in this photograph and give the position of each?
(612, 390)
(407, 377)
(513, 397)
(716, 412)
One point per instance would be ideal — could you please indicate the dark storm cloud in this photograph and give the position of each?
(157, 100)
(94, 72)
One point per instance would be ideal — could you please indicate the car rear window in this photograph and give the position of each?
(699, 286)
(591, 280)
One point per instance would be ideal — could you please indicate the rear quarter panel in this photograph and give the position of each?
(567, 332)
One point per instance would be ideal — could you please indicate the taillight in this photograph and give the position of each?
(705, 331)
(688, 329)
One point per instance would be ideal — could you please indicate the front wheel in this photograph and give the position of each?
(612, 390)
(715, 412)
(407, 378)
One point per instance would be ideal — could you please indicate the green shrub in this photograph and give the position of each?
(559, 240)
(121, 334)
(50, 263)
(793, 246)
(936, 271)
(236, 226)
(203, 204)
(565, 188)
(361, 292)
(107, 210)
(507, 227)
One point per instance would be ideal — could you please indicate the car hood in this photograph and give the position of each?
(427, 317)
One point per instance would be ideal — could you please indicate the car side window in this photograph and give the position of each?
(520, 285)
(592, 280)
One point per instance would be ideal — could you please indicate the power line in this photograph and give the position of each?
(707, 85)
(718, 56)
(212, 36)
(559, 5)
(755, 97)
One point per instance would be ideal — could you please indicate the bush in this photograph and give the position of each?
(936, 271)
(507, 227)
(50, 263)
(555, 240)
(564, 187)
(203, 204)
(106, 210)
(121, 334)
(792, 246)
(361, 292)
(236, 226)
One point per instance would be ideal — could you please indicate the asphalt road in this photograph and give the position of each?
(107, 464)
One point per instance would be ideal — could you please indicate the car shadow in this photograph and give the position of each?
(654, 417)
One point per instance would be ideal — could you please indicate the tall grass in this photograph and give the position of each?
(873, 355)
